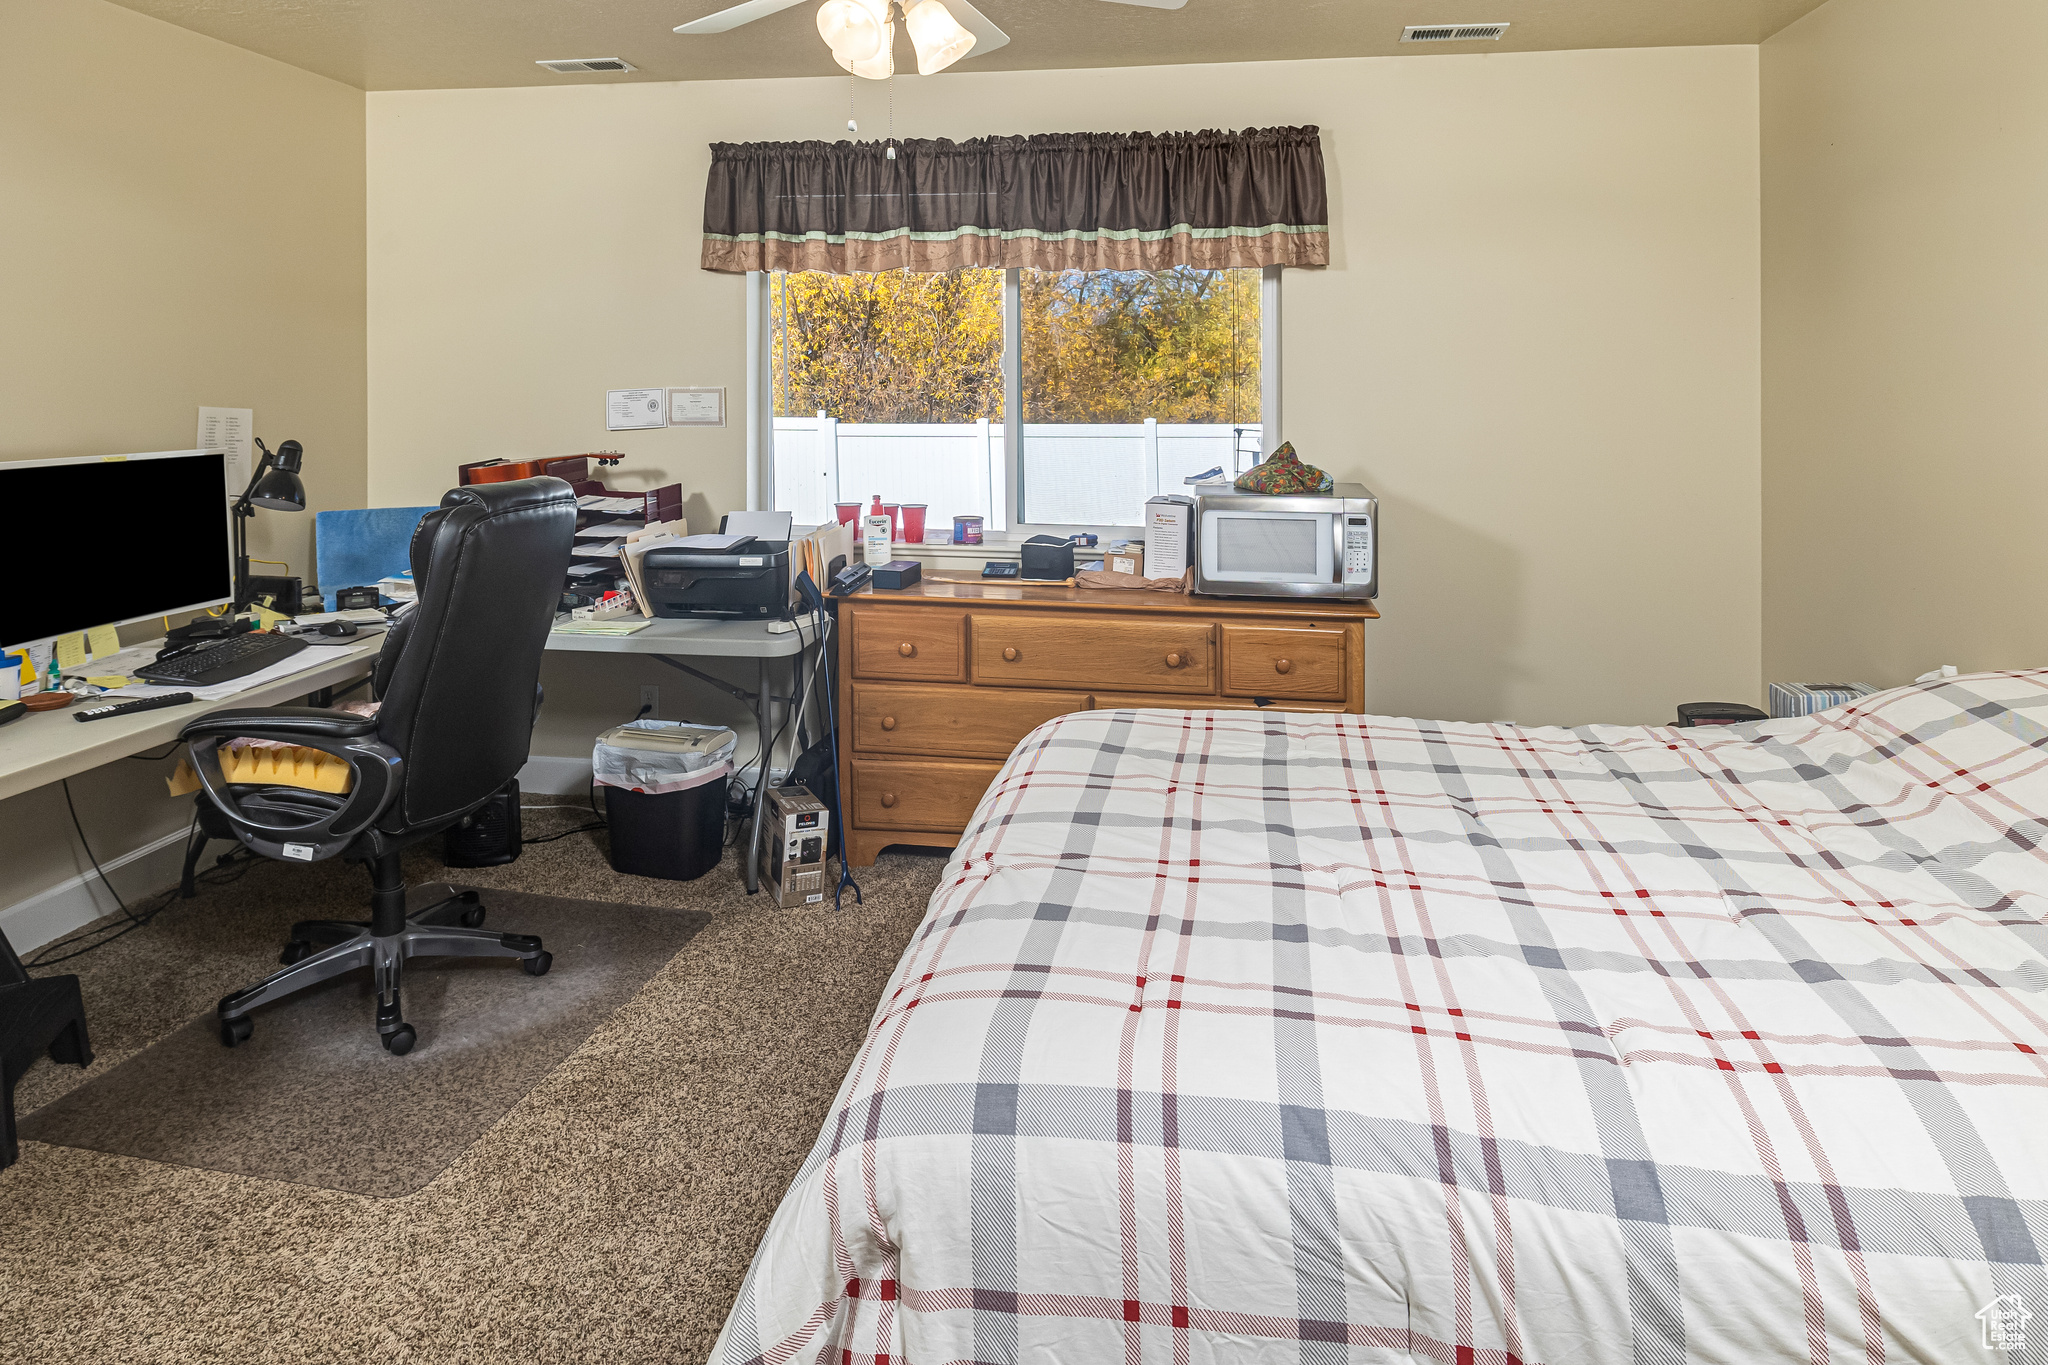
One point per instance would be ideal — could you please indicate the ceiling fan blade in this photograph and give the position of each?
(1153, 4)
(987, 37)
(743, 14)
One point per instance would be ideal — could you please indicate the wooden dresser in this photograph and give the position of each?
(938, 681)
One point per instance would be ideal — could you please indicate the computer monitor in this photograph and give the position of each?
(113, 539)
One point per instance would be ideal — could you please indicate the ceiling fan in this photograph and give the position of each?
(862, 33)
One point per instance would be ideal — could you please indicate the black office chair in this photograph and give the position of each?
(459, 679)
(36, 1016)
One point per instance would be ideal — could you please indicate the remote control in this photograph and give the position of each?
(122, 708)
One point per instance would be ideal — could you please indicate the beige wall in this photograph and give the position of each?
(1905, 292)
(1538, 339)
(182, 224)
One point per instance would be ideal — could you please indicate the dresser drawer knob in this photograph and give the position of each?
(1173, 661)
(1283, 665)
(906, 649)
(888, 800)
(1010, 654)
(888, 722)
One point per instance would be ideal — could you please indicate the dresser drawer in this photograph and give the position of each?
(1267, 661)
(950, 722)
(929, 646)
(1155, 654)
(919, 796)
(1112, 701)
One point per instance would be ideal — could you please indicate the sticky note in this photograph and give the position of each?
(266, 618)
(71, 651)
(110, 681)
(102, 641)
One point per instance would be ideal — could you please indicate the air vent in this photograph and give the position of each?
(571, 66)
(1453, 33)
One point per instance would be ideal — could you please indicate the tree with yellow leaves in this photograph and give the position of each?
(1099, 346)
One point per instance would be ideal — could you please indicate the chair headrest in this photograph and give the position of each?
(514, 495)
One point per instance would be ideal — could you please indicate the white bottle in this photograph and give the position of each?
(875, 539)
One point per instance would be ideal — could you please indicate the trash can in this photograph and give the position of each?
(665, 792)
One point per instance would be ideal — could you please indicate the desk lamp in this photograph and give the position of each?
(275, 485)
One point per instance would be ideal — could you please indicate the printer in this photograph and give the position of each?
(747, 581)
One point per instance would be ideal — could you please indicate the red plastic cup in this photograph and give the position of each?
(913, 522)
(895, 511)
(848, 511)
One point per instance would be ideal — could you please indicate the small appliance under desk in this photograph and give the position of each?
(938, 681)
(664, 640)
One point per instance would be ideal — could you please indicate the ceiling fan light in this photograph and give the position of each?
(938, 37)
(853, 29)
(879, 67)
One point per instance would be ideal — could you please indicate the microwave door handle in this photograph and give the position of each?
(1337, 527)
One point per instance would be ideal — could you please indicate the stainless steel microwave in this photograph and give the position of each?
(1256, 545)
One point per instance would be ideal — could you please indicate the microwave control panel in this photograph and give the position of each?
(1358, 550)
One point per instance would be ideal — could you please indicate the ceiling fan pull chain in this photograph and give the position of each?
(892, 104)
(851, 126)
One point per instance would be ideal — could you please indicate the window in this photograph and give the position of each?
(1069, 396)
(1133, 382)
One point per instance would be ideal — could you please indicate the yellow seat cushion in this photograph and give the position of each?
(286, 766)
(267, 765)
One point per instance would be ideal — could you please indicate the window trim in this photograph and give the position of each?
(1007, 495)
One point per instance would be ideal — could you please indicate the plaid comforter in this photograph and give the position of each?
(1259, 1037)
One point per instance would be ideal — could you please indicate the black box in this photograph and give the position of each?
(1047, 557)
(488, 836)
(283, 593)
(355, 599)
(897, 573)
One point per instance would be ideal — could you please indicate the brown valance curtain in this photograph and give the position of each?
(1070, 201)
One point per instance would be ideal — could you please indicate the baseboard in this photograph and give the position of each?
(546, 775)
(78, 901)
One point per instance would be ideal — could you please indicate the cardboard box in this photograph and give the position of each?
(1169, 534)
(793, 847)
(1125, 556)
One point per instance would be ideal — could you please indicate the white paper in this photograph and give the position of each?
(602, 530)
(760, 525)
(230, 430)
(635, 409)
(696, 407)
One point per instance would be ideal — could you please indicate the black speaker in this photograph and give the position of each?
(488, 835)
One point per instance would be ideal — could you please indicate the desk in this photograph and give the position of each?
(47, 746)
(663, 640)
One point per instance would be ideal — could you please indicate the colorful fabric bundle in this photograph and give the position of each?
(1283, 472)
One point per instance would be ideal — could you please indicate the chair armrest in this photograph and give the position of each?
(301, 835)
(285, 724)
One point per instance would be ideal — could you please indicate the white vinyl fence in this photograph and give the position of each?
(1074, 474)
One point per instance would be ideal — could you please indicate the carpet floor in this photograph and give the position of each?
(608, 1216)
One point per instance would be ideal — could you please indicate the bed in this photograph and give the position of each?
(1241, 1036)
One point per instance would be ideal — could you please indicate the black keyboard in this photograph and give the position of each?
(223, 661)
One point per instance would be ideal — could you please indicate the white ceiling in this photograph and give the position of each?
(442, 44)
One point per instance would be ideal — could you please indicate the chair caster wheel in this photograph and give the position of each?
(537, 966)
(399, 1041)
(235, 1031)
(298, 950)
(472, 916)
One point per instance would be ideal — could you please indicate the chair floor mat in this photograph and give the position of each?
(313, 1098)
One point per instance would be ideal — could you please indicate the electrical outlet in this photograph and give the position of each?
(650, 700)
